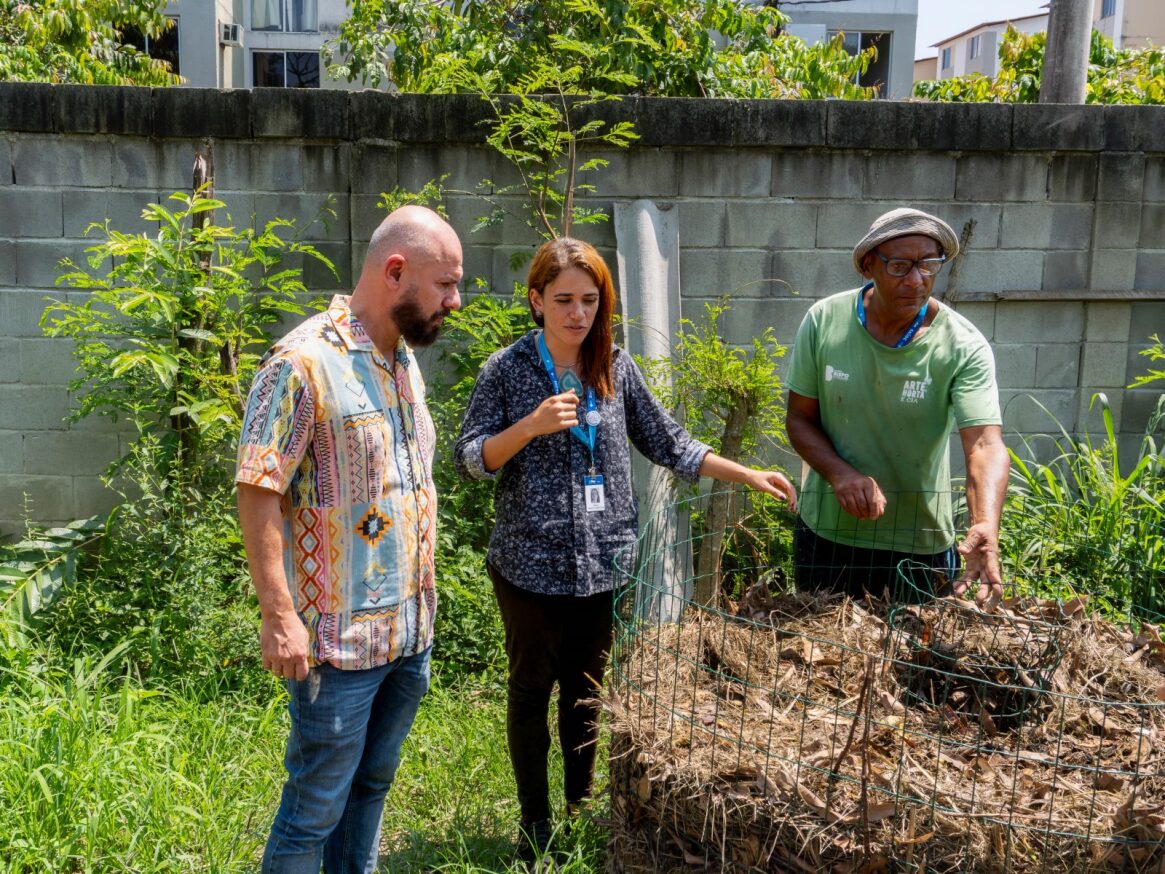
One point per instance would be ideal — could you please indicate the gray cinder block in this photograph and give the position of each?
(1039, 322)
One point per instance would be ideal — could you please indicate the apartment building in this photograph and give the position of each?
(976, 49)
(1128, 23)
(1131, 24)
(887, 25)
(249, 43)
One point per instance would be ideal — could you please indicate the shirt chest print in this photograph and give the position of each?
(914, 390)
(355, 388)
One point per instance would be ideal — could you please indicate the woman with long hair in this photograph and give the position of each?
(551, 418)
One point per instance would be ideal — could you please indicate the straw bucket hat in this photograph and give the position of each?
(902, 223)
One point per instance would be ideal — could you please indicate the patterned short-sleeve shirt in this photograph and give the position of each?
(345, 436)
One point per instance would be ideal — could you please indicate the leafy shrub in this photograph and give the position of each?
(468, 634)
(63, 41)
(481, 327)
(171, 330)
(732, 400)
(1114, 75)
(673, 48)
(169, 337)
(169, 585)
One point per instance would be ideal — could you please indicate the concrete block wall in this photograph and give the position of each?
(1063, 209)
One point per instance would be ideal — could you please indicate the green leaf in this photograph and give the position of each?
(198, 334)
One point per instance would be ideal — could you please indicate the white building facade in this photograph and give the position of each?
(976, 50)
(1128, 23)
(887, 25)
(1131, 24)
(250, 43)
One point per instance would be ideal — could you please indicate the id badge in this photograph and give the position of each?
(593, 493)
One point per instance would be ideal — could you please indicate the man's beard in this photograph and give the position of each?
(417, 328)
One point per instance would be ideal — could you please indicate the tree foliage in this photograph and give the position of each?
(677, 48)
(80, 42)
(169, 333)
(1114, 75)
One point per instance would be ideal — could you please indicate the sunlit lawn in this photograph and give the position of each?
(98, 774)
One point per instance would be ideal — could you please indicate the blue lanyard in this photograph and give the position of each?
(910, 332)
(587, 436)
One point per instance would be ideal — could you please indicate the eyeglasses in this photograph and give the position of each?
(902, 266)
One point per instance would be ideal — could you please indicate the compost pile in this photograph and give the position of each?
(810, 733)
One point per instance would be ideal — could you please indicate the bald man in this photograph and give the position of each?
(338, 511)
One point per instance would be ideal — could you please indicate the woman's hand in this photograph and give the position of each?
(775, 483)
(771, 482)
(556, 413)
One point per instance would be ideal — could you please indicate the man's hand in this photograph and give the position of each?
(980, 551)
(859, 495)
(284, 643)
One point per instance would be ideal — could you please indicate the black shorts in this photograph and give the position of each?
(825, 565)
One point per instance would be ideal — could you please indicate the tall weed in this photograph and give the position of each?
(99, 773)
(1077, 518)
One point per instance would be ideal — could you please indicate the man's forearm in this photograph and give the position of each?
(262, 524)
(815, 448)
(283, 638)
(988, 465)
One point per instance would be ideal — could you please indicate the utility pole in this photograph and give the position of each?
(1066, 54)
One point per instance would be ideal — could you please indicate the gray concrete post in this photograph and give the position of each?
(648, 240)
(1066, 54)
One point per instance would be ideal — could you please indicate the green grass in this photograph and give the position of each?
(98, 774)
(454, 808)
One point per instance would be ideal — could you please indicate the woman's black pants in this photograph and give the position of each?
(552, 638)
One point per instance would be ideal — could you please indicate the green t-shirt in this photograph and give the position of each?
(888, 412)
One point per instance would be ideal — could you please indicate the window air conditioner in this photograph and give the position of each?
(231, 35)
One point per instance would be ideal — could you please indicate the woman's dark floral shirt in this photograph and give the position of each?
(544, 540)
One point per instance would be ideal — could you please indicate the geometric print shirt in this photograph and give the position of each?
(345, 437)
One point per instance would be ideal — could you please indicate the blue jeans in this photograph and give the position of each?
(347, 728)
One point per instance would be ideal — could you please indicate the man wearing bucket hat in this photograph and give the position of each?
(877, 376)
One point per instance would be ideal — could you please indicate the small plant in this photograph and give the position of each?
(538, 134)
(732, 400)
(35, 570)
(171, 329)
(1154, 353)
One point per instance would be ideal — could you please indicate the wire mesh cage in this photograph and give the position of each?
(785, 730)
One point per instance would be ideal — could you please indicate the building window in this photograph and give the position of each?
(162, 47)
(877, 76)
(289, 16)
(976, 46)
(286, 69)
(946, 62)
(1108, 9)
